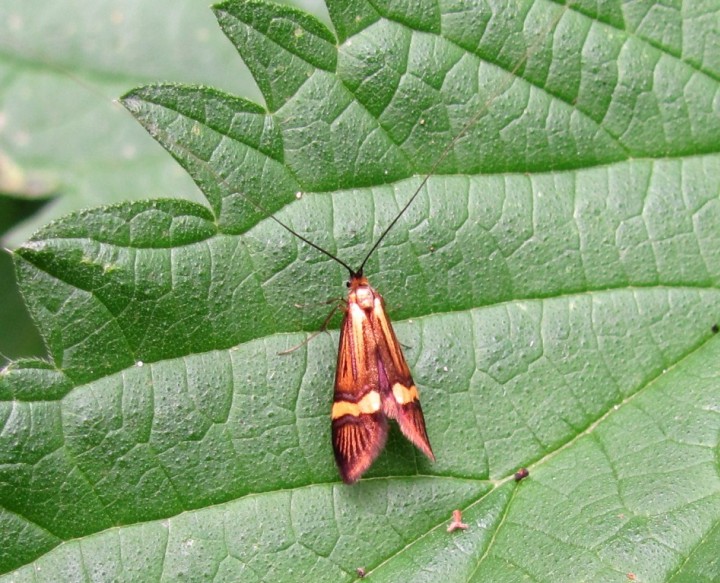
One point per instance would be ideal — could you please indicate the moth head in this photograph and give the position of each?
(357, 280)
(360, 291)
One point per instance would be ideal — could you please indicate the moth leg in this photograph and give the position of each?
(322, 329)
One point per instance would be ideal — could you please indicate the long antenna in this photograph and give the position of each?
(528, 53)
(299, 236)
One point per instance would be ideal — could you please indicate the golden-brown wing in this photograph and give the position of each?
(359, 426)
(401, 400)
(372, 383)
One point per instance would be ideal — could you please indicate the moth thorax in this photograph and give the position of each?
(365, 297)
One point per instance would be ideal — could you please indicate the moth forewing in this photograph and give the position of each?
(372, 384)
(403, 403)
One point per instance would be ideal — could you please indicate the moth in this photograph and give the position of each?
(372, 380)
(372, 384)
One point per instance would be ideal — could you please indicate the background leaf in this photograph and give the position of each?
(555, 284)
(62, 121)
(65, 142)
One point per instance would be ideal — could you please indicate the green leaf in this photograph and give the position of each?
(555, 284)
(65, 141)
(63, 65)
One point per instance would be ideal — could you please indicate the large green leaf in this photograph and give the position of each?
(555, 283)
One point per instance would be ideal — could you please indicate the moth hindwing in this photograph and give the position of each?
(372, 384)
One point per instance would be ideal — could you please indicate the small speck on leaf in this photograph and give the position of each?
(521, 474)
(457, 522)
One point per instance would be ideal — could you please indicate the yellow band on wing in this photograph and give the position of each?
(370, 403)
(404, 394)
